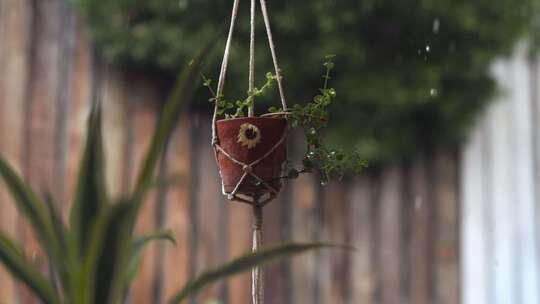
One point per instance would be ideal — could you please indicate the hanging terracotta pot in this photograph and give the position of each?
(248, 140)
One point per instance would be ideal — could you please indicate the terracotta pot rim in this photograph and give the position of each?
(253, 117)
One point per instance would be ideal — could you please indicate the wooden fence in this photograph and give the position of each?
(404, 219)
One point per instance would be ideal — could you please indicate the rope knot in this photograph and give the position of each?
(230, 196)
(247, 168)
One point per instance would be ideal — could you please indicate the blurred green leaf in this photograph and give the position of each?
(245, 263)
(101, 278)
(33, 210)
(90, 195)
(64, 267)
(138, 244)
(180, 95)
(14, 261)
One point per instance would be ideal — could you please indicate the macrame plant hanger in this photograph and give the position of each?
(256, 202)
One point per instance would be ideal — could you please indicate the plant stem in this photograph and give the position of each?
(326, 78)
(257, 282)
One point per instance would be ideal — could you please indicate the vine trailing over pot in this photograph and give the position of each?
(311, 118)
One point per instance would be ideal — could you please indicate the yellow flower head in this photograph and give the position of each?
(249, 135)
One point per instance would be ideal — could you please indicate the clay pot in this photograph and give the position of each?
(247, 139)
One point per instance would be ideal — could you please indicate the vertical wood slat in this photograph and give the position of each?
(420, 243)
(362, 275)
(446, 260)
(177, 218)
(388, 225)
(303, 269)
(273, 285)
(15, 28)
(144, 99)
(335, 218)
(41, 114)
(212, 206)
(195, 146)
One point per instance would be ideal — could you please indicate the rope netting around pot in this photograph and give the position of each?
(251, 151)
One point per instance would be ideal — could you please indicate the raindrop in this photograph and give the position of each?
(418, 201)
(433, 92)
(436, 25)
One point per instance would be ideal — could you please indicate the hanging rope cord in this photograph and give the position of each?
(225, 61)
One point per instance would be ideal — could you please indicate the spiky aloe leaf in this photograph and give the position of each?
(180, 95)
(14, 261)
(102, 274)
(66, 266)
(90, 195)
(245, 263)
(138, 244)
(33, 210)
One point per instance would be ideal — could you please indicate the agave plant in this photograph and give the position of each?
(95, 255)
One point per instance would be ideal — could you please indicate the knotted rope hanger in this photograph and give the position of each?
(257, 276)
(225, 61)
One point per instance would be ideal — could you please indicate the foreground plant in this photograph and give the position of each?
(95, 256)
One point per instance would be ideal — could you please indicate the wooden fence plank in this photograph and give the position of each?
(15, 22)
(335, 218)
(446, 280)
(212, 207)
(145, 100)
(389, 226)
(361, 277)
(420, 245)
(302, 227)
(41, 114)
(175, 269)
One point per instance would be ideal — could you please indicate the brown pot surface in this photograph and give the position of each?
(254, 144)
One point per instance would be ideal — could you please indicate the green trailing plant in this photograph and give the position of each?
(95, 256)
(312, 118)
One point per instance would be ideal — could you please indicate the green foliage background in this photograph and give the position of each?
(410, 73)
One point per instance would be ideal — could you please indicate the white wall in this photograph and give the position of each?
(500, 192)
